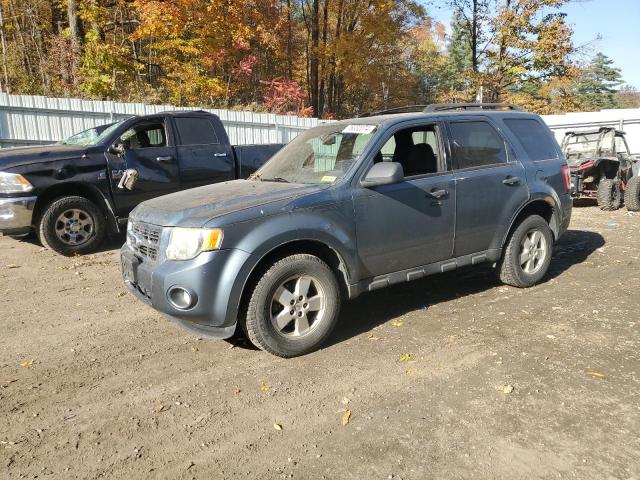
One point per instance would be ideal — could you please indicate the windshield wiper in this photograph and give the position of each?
(275, 179)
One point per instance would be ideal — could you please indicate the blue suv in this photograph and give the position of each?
(347, 208)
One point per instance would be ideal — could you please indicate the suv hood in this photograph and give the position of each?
(14, 157)
(195, 207)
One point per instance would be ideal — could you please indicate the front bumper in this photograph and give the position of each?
(215, 279)
(16, 215)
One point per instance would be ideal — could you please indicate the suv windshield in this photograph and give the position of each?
(91, 136)
(322, 154)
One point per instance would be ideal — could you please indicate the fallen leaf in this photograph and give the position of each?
(596, 374)
(505, 388)
(405, 357)
(13, 265)
(410, 372)
(26, 363)
(397, 323)
(264, 387)
(277, 426)
(345, 417)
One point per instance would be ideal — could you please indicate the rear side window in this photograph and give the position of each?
(534, 138)
(476, 144)
(195, 131)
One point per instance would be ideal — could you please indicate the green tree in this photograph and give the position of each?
(598, 83)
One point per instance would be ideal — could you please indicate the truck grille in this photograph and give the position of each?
(144, 239)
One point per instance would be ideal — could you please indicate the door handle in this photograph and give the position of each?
(512, 180)
(167, 158)
(219, 154)
(437, 193)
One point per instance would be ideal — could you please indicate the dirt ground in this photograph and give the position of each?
(452, 377)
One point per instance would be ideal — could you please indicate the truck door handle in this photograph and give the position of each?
(437, 193)
(219, 154)
(512, 180)
(167, 158)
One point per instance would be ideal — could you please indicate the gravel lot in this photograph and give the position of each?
(455, 376)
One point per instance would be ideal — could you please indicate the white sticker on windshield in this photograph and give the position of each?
(359, 129)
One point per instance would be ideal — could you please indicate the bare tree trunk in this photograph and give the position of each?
(74, 34)
(6, 87)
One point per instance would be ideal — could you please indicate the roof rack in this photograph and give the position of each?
(444, 107)
(405, 109)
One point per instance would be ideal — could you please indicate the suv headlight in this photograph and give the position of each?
(187, 243)
(14, 183)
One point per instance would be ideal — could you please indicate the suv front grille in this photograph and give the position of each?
(144, 239)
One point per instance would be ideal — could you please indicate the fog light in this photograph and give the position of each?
(181, 298)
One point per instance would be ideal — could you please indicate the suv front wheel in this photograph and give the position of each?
(293, 307)
(528, 252)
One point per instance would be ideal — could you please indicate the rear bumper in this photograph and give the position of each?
(16, 215)
(215, 280)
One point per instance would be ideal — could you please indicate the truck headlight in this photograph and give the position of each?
(187, 243)
(14, 183)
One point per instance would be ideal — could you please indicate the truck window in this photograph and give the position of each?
(534, 138)
(476, 144)
(195, 131)
(416, 148)
(145, 135)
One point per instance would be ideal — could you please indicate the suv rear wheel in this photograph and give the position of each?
(609, 194)
(528, 252)
(293, 307)
(632, 194)
(71, 225)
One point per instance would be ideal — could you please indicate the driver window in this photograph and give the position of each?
(416, 149)
(145, 135)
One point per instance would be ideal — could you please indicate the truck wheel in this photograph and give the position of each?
(293, 307)
(71, 225)
(632, 194)
(609, 194)
(528, 252)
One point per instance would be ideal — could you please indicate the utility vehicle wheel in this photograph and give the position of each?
(293, 307)
(609, 194)
(528, 253)
(71, 225)
(632, 194)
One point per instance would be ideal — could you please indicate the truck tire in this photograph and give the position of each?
(609, 194)
(632, 194)
(293, 307)
(527, 256)
(71, 225)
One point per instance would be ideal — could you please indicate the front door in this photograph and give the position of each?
(410, 223)
(149, 150)
(490, 186)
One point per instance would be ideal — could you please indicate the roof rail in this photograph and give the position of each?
(444, 107)
(405, 109)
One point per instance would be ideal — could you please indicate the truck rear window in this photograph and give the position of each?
(534, 138)
(195, 131)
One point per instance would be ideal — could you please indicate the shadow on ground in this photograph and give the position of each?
(113, 242)
(372, 309)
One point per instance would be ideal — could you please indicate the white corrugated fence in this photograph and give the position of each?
(30, 119)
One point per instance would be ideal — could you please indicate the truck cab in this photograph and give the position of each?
(72, 194)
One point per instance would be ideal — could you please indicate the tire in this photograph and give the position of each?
(632, 194)
(71, 225)
(609, 194)
(289, 279)
(514, 268)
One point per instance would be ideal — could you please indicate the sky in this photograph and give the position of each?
(617, 22)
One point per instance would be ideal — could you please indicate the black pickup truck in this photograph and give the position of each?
(73, 193)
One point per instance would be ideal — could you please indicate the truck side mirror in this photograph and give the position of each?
(383, 173)
(116, 149)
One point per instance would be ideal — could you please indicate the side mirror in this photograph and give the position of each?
(383, 173)
(116, 149)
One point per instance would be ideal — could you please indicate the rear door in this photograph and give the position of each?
(149, 149)
(203, 156)
(490, 184)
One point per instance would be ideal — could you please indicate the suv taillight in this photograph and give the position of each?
(566, 177)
